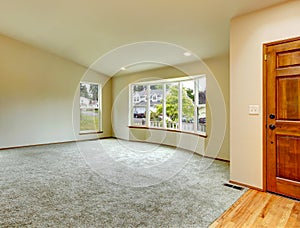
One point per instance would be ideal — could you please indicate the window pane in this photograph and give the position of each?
(139, 101)
(89, 107)
(202, 90)
(172, 105)
(201, 107)
(188, 107)
(201, 110)
(89, 120)
(156, 105)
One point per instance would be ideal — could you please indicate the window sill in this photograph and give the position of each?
(90, 132)
(200, 134)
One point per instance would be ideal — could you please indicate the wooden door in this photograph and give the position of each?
(282, 105)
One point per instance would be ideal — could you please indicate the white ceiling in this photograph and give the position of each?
(84, 30)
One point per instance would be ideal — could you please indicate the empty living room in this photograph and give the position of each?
(150, 113)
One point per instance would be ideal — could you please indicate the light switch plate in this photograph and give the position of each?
(253, 109)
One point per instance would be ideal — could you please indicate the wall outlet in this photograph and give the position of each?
(253, 109)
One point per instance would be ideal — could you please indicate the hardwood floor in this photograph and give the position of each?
(261, 209)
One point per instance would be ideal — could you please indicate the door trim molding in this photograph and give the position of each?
(264, 111)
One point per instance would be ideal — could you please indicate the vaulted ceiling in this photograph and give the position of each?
(84, 30)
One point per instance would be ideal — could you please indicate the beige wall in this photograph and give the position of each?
(37, 91)
(248, 33)
(220, 69)
(218, 66)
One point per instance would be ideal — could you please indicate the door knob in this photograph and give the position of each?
(272, 126)
(272, 116)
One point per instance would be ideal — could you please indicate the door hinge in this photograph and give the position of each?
(265, 57)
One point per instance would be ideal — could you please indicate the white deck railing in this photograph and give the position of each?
(171, 125)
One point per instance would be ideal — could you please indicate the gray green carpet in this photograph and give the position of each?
(111, 183)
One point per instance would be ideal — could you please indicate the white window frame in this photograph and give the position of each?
(99, 130)
(164, 83)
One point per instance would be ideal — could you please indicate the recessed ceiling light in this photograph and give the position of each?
(187, 53)
(123, 68)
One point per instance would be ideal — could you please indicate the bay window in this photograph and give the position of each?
(177, 104)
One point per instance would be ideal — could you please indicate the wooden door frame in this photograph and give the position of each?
(264, 112)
